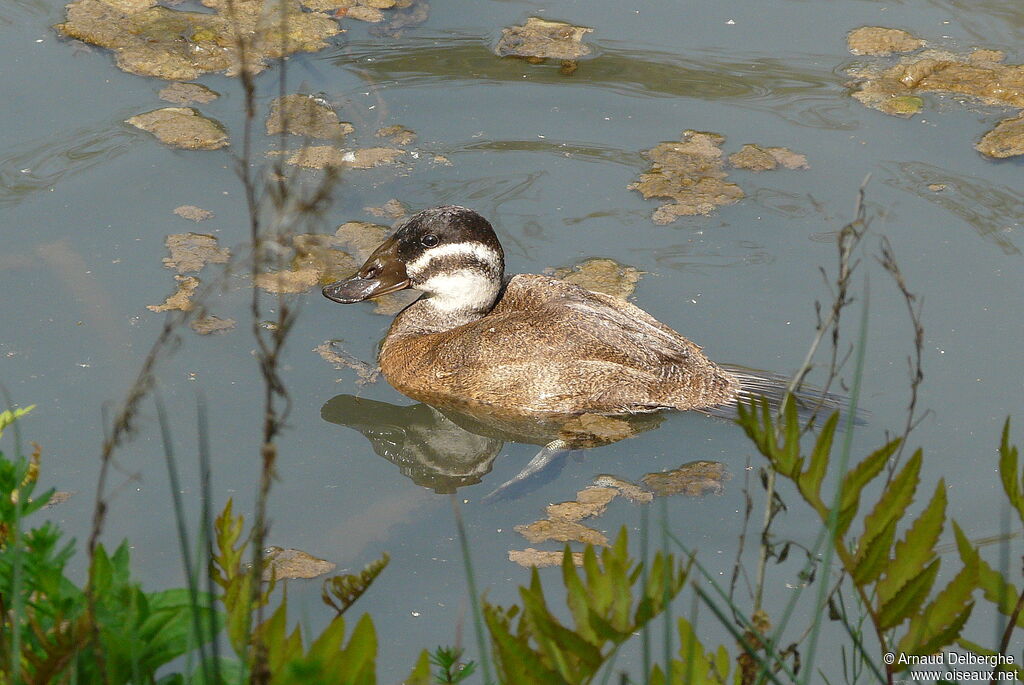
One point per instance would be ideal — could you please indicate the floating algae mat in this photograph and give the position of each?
(540, 39)
(691, 173)
(602, 275)
(305, 115)
(894, 88)
(152, 40)
(182, 127)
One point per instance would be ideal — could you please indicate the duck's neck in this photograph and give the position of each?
(450, 300)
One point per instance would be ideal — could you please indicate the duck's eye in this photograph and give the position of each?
(430, 240)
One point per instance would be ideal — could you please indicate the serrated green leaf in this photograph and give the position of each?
(854, 482)
(810, 480)
(695, 665)
(8, 416)
(574, 658)
(576, 598)
(360, 654)
(917, 547)
(992, 583)
(517, 662)
(909, 597)
(872, 557)
(891, 505)
(1008, 473)
(985, 651)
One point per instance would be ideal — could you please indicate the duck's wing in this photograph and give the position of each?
(607, 347)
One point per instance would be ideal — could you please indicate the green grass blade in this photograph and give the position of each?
(474, 597)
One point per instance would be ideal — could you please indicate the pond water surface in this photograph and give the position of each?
(87, 203)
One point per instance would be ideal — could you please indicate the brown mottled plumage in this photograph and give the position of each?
(551, 346)
(538, 344)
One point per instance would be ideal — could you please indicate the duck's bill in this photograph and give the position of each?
(357, 289)
(382, 273)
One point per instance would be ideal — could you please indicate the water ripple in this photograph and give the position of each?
(799, 90)
(992, 211)
(39, 165)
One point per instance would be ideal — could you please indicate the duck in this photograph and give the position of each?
(527, 344)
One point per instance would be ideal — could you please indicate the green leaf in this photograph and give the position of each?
(873, 556)
(361, 653)
(576, 598)
(940, 623)
(350, 587)
(1008, 473)
(909, 597)
(889, 509)
(420, 671)
(8, 416)
(985, 651)
(917, 547)
(992, 583)
(811, 479)
(854, 482)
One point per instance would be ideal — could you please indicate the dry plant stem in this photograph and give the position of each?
(849, 238)
(914, 305)
(1011, 623)
(259, 669)
(122, 427)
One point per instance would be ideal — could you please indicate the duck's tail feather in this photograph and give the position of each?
(810, 401)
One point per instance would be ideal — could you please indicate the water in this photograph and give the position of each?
(87, 203)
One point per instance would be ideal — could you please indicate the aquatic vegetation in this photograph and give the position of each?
(181, 299)
(211, 325)
(695, 479)
(192, 251)
(980, 75)
(628, 489)
(561, 531)
(152, 40)
(397, 134)
(193, 213)
(392, 209)
(325, 156)
(1005, 140)
(187, 93)
(757, 158)
(692, 174)
(590, 501)
(332, 352)
(283, 564)
(540, 39)
(305, 115)
(878, 40)
(541, 558)
(602, 275)
(182, 127)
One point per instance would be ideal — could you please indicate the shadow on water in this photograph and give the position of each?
(446, 448)
(797, 90)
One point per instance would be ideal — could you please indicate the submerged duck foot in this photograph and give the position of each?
(543, 459)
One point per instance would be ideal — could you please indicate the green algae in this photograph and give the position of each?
(182, 127)
(305, 115)
(540, 39)
(980, 75)
(152, 40)
(881, 41)
(602, 275)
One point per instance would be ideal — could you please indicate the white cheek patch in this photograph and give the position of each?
(478, 251)
(463, 290)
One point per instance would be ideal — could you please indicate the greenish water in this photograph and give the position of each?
(87, 203)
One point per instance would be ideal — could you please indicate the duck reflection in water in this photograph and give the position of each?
(445, 449)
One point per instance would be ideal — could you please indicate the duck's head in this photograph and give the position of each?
(449, 253)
